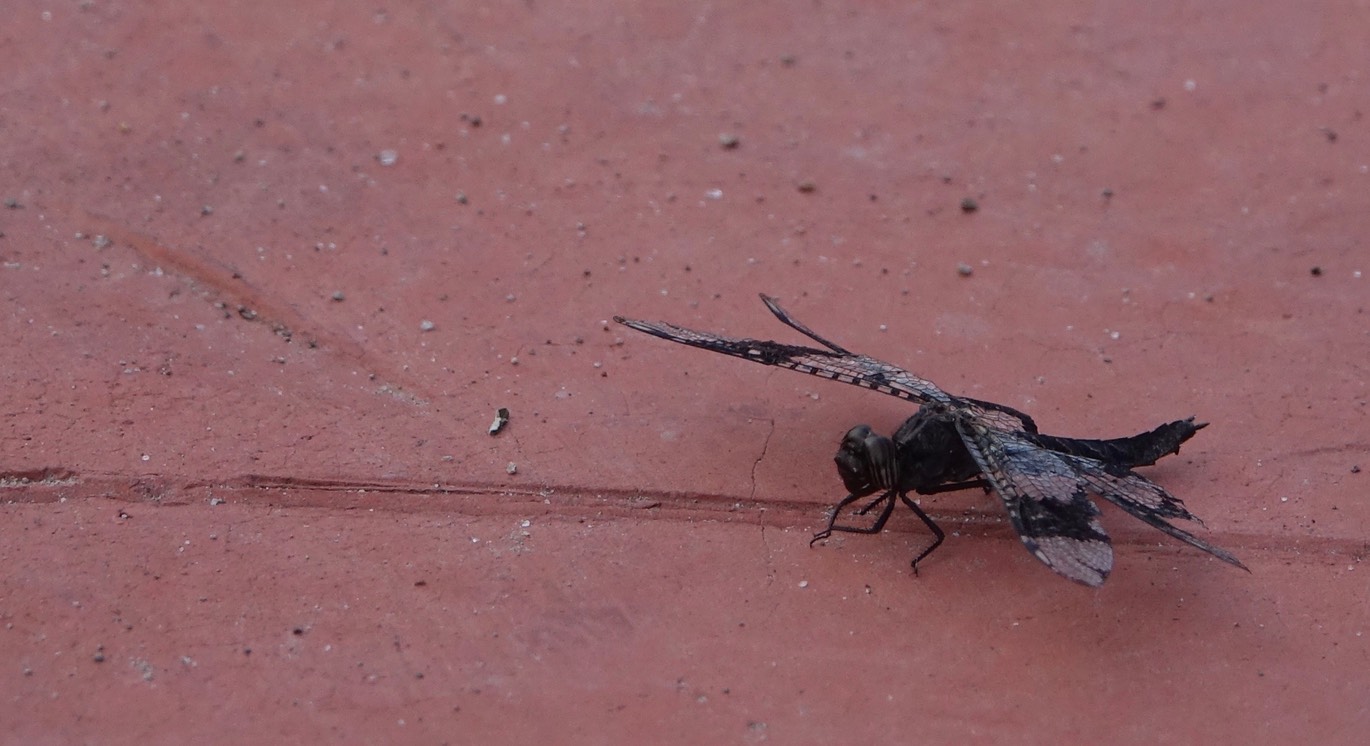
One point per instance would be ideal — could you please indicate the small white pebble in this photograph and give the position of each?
(427, 326)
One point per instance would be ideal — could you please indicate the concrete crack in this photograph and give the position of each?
(766, 444)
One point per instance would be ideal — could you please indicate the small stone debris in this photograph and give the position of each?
(387, 157)
(501, 419)
(807, 187)
(1316, 271)
(427, 326)
(729, 141)
(338, 296)
(969, 205)
(512, 468)
(965, 270)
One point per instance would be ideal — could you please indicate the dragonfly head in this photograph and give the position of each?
(866, 461)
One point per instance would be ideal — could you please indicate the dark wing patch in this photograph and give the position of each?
(846, 367)
(1046, 502)
(1145, 500)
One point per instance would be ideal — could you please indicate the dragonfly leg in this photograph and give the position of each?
(927, 521)
(875, 528)
(868, 507)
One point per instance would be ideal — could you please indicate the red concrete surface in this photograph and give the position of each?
(247, 497)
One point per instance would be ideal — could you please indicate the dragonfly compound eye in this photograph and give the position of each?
(865, 461)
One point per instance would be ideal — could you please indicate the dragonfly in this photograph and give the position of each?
(955, 442)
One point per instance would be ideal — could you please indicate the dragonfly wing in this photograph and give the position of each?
(1046, 502)
(846, 367)
(1145, 500)
(1000, 416)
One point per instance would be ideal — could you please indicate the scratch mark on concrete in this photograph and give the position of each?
(234, 294)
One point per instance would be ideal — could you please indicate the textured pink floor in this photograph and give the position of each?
(246, 497)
